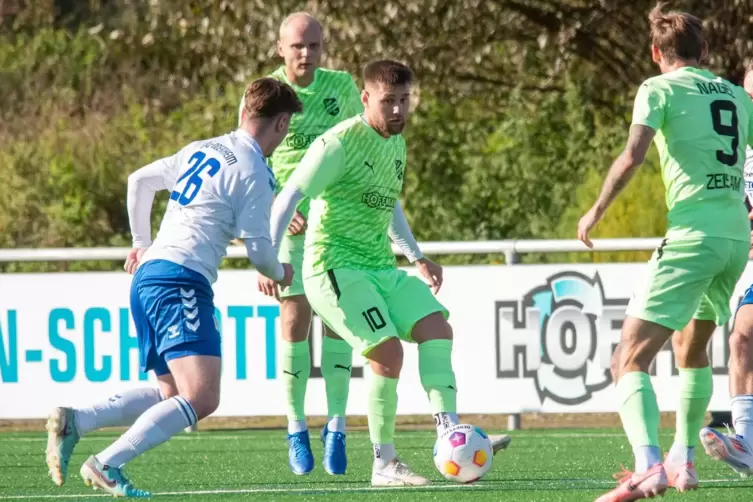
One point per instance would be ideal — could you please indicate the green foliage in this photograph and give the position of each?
(522, 107)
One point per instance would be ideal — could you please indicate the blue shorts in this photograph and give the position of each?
(173, 310)
(747, 298)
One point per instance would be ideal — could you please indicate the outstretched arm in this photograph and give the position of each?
(648, 117)
(620, 174)
(625, 166)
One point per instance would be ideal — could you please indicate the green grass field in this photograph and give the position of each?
(561, 465)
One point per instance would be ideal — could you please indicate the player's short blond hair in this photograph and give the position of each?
(678, 35)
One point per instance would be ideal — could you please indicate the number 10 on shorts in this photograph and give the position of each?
(374, 318)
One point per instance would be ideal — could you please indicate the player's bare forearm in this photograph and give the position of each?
(619, 176)
(625, 166)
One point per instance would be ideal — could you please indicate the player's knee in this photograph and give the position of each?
(740, 343)
(432, 327)
(295, 319)
(681, 347)
(204, 404)
(386, 359)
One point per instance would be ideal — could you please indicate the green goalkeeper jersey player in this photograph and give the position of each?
(328, 97)
(700, 124)
(353, 175)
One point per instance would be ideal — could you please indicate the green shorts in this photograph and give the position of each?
(367, 307)
(690, 279)
(291, 251)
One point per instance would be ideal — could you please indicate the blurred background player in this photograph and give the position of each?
(354, 176)
(220, 188)
(700, 123)
(328, 97)
(737, 450)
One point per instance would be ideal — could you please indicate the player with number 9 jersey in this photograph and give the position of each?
(702, 125)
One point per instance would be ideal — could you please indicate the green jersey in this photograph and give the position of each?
(354, 177)
(702, 125)
(331, 98)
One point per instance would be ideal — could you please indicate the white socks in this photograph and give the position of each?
(444, 421)
(742, 417)
(155, 426)
(336, 424)
(120, 410)
(646, 457)
(297, 426)
(383, 454)
(681, 455)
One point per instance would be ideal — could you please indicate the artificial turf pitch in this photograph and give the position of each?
(547, 466)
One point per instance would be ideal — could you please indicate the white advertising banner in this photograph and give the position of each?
(527, 338)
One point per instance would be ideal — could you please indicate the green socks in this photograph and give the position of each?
(437, 377)
(696, 387)
(382, 409)
(639, 410)
(296, 368)
(337, 360)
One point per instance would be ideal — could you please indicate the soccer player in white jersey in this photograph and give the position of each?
(736, 450)
(221, 188)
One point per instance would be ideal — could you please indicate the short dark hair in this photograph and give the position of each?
(387, 71)
(676, 34)
(268, 97)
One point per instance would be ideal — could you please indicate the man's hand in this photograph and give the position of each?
(587, 223)
(133, 260)
(287, 279)
(432, 272)
(269, 287)
(298, 225)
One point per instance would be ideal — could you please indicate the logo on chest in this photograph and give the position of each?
(377, 199)
(331, 106)
(399, 169)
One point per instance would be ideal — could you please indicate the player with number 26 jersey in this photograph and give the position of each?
(219, 188)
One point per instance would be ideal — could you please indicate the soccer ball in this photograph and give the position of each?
(463, 453)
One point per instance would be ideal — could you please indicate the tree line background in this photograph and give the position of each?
(522, 106)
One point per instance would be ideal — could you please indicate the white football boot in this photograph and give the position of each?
(396, 473)
(731, 449)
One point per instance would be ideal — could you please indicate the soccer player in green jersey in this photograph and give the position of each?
(700, 124)
(328, 97)
(353, 175)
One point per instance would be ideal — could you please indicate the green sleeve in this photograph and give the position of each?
(323, 164)
(648, 109)
(355, 107)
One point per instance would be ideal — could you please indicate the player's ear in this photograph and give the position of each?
(655, 54)
(279, 49)
(283, 122)
(365, 98)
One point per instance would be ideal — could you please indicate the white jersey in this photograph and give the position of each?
(748, 174)
(220, 189)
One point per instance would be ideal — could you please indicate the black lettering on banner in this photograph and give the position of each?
(717, 107)
(374, 318)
